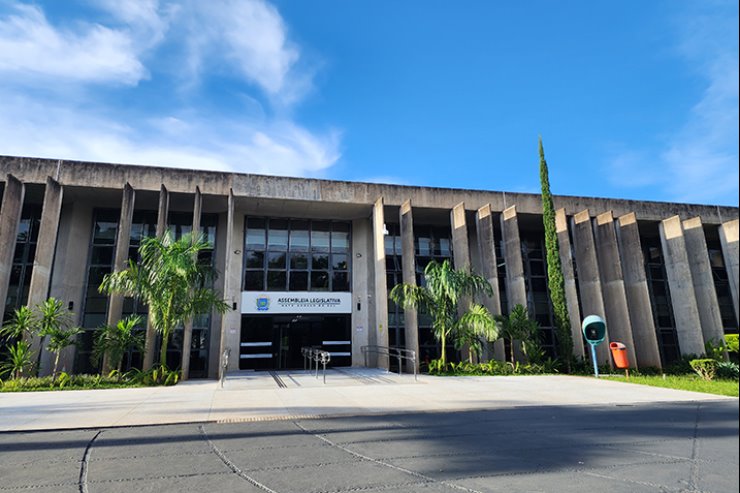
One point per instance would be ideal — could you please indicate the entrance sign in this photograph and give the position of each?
(295, 302)
(594, 331)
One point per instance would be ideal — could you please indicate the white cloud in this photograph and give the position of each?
(699, 161)
(60, 132)
(31, 47)
(51, 109)
(251, 38)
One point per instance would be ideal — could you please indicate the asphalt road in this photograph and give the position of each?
(668, 447)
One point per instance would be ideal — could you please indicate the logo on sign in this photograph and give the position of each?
(263, 303)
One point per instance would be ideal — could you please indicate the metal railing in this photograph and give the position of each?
(392, 352)
(224, 365)
(313, 355)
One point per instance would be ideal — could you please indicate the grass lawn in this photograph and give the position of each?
(684, 382)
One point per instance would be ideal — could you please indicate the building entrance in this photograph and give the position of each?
(274, 342)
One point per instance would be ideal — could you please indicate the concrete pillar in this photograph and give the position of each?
(120, 261)
(701, 275)
(379, 333)
(589, 279)
(187, 331)
(231, 320)
(10, 218)
(364, 308)
(151, 333)
(487, 252)
(612, 283)
(638, 296)
(45, 247)
(683, 300)
(461, 255)
(728, 237)
(408, 271)
(571, 292)
(516, 288)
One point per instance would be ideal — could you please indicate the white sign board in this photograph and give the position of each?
(279, 302)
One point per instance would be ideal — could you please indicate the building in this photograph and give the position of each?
(311, 262)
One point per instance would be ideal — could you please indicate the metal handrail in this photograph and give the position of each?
(392, 352)
(316, 355)
(224, 365)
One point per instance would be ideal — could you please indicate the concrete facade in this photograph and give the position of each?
(636, 290)
(589, 279)
(608, 278)
(571, 290)
(680, 281)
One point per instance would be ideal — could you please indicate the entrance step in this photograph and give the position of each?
(335, 377)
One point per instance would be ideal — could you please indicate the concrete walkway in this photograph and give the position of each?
(293, 395)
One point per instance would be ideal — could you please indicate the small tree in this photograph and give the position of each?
(517, 326)
(440, 296)
(21, 325)
(555, 281)
(116, 340)
(54, 322)
(171, 281)
(19, 362)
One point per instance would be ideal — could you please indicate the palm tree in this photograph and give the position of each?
(22, 324)
(171, 281)
(443, 291)
(115, 340)
(517, 326)
(54, 322)
(19, 360)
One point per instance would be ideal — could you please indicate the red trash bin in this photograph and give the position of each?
(619, 354)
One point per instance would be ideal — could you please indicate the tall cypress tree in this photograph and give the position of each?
(554, 271)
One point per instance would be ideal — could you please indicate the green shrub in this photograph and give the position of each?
(705, 367)
(465, 368)
(731, 342)
(728, 370)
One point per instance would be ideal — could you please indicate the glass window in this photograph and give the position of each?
(276, 260)
(340, 261)
(255, 259)
(299, 234)
(319, 280)
(298, 261)
(320, 236)
(254, 280)
(299, 281)
(276, 280)
(340, 281)
(320, 261)
(340, 237)
(277, 234)
(256, 233)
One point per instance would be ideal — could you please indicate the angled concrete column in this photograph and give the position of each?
(231, 320)
(638, 296)
(10, 218)
(120, 260)
(461, 255)
(408, 270)
(589, 279)
(187, 330)
(701, 275)
(612, 283)
(516, 288)
(379, 333)
(680, 283)
(460, 249)
(44, 258)
(151, 333)
(487, 251)
(728, 237)
(571, 291)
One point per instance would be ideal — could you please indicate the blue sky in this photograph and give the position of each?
(633, 99)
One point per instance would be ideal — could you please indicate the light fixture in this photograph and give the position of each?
(358, 255)
(385, 230)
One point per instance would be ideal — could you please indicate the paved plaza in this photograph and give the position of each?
(368, 431)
